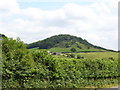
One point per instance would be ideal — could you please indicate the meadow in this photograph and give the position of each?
(99, 55)
(57, 49)
(92, 55)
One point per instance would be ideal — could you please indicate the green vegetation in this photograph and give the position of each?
(23, 69)
(64, 43)
(91, 55)
(68, 50)
(34, 68)
(3, 36)
(99, 55)
(59, 49)
(73, 50)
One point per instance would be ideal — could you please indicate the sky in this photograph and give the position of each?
(33, 20)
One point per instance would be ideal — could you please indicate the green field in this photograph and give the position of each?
(93, 55)
(56, 49)
(99, 55)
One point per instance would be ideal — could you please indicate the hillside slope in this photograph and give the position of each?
(64, 43)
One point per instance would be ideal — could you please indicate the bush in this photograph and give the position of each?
(73, 50)
(71, 55)
(78, 56)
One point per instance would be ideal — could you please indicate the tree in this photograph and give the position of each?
(78, 56)
(79, 47)
(17, 63)
(88, 47)
(73, 50)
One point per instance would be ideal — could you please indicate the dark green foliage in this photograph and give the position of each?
(79, 47)
(78, 56)
(73, 72)
(67, 45)
(111, 58)
(3, 36)
(88, 47)
(16, 61)
(71, 55)
(73, 49)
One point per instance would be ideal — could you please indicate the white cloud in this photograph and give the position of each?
(33, 13)
(8, 7)
(95, 22)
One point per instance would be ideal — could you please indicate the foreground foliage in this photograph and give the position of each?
(38, 69)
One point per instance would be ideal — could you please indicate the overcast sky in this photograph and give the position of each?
(33, 20)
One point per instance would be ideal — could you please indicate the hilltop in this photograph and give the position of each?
(65, 43)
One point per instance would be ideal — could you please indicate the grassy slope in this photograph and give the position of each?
(94, 55)
(63, 43)
(57, 49)
(61, 48)
(99, 55)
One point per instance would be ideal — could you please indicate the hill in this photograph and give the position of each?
(65, 43)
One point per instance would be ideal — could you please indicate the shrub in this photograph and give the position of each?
(73, 50)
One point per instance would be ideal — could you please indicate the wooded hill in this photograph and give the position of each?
(66, 43)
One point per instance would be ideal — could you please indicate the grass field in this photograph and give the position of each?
(87, 55)
(93, 55)
(99, 55)
(56, 49)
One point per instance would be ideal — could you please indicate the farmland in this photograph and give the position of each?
(95, 55)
